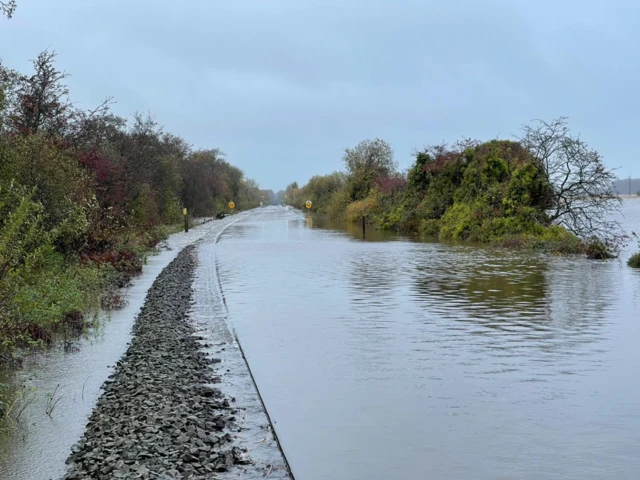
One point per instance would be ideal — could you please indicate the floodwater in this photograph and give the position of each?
(392, 358)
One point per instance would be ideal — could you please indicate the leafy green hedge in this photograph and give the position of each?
(37, 285)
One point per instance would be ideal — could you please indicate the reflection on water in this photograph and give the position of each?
(354, 230)
(392, 358)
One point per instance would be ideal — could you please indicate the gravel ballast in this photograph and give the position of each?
(160, 416)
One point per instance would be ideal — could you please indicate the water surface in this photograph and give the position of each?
(392, 358)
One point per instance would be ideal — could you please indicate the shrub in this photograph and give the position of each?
(43, 298)
(84, 196)
(37, 285)
(338, 204)
(55, 181)
(557, 239)
(634, 261)
(430, 227)
(360, 208)
(460, 222)
(553, 240)
(389, 220)
(597, 249)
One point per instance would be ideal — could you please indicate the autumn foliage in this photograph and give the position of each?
(83, 195)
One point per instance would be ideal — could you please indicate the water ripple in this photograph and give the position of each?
(425, 359)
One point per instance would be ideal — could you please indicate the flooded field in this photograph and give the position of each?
(391, 358)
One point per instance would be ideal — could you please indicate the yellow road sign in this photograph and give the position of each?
(232, 205)
(308, 204)
(184, 211)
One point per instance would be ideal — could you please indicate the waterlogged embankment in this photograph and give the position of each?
(159, 416)
(72, 381)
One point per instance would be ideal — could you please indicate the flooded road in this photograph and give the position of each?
(400, 359)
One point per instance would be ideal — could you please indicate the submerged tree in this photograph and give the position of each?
(583, 198)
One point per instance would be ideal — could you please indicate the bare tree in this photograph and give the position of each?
(583, 198)
(7, 8)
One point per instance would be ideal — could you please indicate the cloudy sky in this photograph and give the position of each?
(283, 86)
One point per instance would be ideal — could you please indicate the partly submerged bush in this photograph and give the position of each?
(459, 222)
(44, 298)
(430, 227)
(598, 249)
(634, 261)
(360, 208)
(38, 286)
(553, 239)
(337, 207)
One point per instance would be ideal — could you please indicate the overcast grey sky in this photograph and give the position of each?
(283, 86)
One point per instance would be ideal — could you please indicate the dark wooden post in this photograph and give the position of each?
(186, 220)
(364, 226)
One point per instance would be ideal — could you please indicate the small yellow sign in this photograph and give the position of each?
(232, 205)
(308, 204)
(184, 211)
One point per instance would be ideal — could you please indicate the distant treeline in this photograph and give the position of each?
(624, 186)
(83, 194)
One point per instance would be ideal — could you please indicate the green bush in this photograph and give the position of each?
(634, 261)
(597, 249)
(43, 298)
(337, 207)
(389, 220)
(56, 182)
(430, 227)
(360, 208)
(37, 285)
(553, 240)
(459, 222)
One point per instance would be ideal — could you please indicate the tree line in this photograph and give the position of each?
(546, 189)
(84, 193)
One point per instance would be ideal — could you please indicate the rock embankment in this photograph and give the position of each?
(159, 417)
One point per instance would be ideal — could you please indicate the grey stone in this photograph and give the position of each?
(156, 414)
